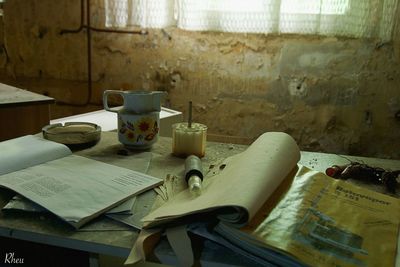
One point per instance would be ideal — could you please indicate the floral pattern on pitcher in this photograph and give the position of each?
(144, 129)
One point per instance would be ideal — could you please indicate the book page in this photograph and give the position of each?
(27, 151)
(245, 183)
(77, 188)
(20, 203)
(326, 222)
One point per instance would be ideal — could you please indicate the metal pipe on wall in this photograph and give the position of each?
(89, 29)
(89, 52)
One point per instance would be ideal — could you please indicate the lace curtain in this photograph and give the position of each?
(352, 18)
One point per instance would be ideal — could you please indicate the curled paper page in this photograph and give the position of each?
(181, 244)
(143, 246)
(246, 182)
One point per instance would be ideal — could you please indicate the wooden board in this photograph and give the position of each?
(23, 120)
(22, 112)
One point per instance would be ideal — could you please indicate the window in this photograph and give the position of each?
(315, 7)
(352, 18)
(144, 13)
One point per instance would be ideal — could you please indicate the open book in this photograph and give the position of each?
(75, 188)
(323, 222)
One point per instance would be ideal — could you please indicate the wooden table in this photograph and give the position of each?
(22, 112)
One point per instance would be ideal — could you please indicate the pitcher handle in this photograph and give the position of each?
(105, 99)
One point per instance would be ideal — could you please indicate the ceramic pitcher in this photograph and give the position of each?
(139, 117)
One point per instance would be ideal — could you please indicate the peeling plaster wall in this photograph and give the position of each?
(334, 95)
(396, 37)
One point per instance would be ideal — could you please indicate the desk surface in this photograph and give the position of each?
(12, 96)
(105, 236)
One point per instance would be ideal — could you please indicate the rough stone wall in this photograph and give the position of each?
(335, 95)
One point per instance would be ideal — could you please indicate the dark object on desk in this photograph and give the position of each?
(75, 135)
(365, 173)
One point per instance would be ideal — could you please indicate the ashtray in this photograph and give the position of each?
(73, 134)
